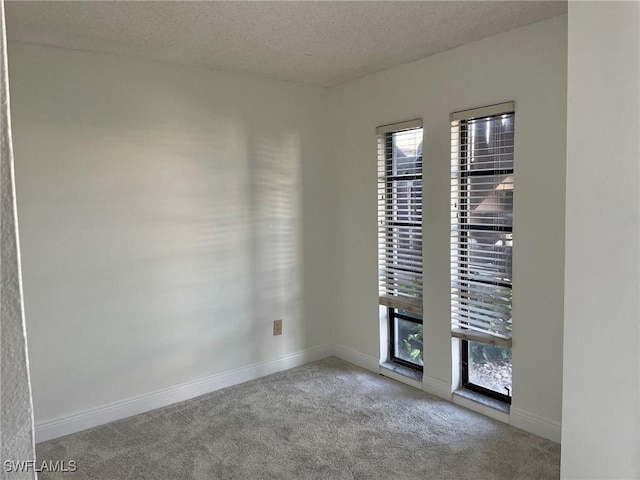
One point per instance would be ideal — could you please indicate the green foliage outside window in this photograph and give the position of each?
(486, 353)
(412, 342)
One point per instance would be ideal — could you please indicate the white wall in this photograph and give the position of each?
(601, 418)
(16, 410)
(165, 212)
(528, 66)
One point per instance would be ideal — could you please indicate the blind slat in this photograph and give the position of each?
(482, 185)
(474, 336)
(413, 305)
(400, 216)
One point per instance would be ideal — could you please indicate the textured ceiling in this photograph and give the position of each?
(322, 43)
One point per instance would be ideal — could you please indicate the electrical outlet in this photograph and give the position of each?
(277, 327)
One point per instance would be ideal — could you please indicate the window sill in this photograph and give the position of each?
(402, 374)
(482, 404)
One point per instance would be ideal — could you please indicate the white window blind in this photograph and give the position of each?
(400, 215)
(482, 148)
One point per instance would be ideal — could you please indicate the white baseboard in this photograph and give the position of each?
(100, 415)
(436, 387)
(184, 391)
(543, 427)
(357, 358)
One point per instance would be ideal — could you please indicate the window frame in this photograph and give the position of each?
(392, 315)
(464, 376)
(463, 210)
(393, 303)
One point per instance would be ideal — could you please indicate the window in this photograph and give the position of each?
(482, 146)
(400, 238)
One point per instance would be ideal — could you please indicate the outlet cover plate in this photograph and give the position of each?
(277, 327)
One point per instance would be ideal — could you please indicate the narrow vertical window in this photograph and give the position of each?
(400, 238)
(482, 144)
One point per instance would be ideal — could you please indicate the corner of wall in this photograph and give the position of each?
(357, 358)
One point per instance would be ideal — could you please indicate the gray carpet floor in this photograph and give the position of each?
(325, 420)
